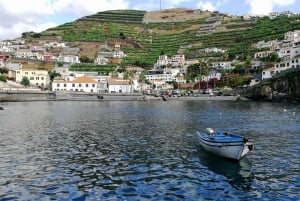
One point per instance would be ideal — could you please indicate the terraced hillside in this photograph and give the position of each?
(145, 35)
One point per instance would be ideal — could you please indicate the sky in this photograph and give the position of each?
(18, 16)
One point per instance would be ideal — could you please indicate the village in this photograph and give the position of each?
(165, 72)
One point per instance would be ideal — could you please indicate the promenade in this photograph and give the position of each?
(18, 96)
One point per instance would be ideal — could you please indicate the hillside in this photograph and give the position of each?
(146, 35)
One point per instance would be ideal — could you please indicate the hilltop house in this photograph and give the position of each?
(177, 60)
(80, 84)
(70, 55)
(222, 65)
(109, 54)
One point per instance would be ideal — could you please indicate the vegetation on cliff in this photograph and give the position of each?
(284, 86)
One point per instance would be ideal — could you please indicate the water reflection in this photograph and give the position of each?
(145, 151)
(238, 174)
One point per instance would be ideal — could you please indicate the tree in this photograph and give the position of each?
(25, 81)
(53, 74)
(4, 70)
(248, 63)
(85, 59)
(3, 78)
(142, 77)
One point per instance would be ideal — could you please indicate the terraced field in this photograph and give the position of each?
(145, 35)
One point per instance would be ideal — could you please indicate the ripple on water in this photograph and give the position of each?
(145, 151)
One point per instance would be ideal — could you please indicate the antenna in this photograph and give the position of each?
(160, 5)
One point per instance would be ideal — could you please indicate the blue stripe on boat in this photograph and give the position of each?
(222, 137)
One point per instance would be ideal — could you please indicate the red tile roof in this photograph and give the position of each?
(84, 80)
(118, 82)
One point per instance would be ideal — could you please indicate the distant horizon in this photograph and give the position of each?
(39, 15)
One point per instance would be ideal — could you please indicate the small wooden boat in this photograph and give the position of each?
(225, 144)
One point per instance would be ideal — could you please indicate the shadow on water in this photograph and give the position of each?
(237, 173)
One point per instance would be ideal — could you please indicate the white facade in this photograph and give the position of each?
(268, 73)
(262, 54)
(101, 60)
(118, 86)
(214, 75)
(69, 59)
(81, 84)
(162, 61)
(118, 53)
(222, 64)
(38, 78)
(166, 77)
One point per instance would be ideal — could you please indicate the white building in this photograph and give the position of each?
(268, 73)
(163, 76)
(118, 86)
(117, 52)
(222, 65)
(214, 75)
(80, 84)
(263, 54)
(38, 78)
(177, 60)
(162, 61)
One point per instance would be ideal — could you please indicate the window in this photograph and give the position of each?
(57, 84)
(31, 78)
(73, 85)
(93, 85)
(37, 78)
(42, 78)
(79, 85)
(65, 85)
(86, 85)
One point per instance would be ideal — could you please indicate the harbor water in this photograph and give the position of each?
(146, 150)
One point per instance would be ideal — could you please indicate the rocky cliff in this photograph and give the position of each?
(283, 87)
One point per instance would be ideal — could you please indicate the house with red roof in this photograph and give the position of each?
(118, 86)
(80, 84)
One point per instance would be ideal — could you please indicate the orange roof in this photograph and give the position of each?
(118, 82)
(84, 80)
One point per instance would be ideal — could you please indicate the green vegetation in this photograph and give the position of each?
(143, 41)
(101, 69)
(25, 81)
(3, 78)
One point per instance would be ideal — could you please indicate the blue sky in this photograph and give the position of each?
(18, 16)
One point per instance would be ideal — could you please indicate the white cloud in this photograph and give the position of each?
(266, 6)
(151, 5)
(17, 29)
(211, 5)
(81, 8)
(36, 15)
(206, 6)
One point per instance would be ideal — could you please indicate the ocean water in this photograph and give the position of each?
(135, 150)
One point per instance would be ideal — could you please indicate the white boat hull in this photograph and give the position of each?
(232, 150)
